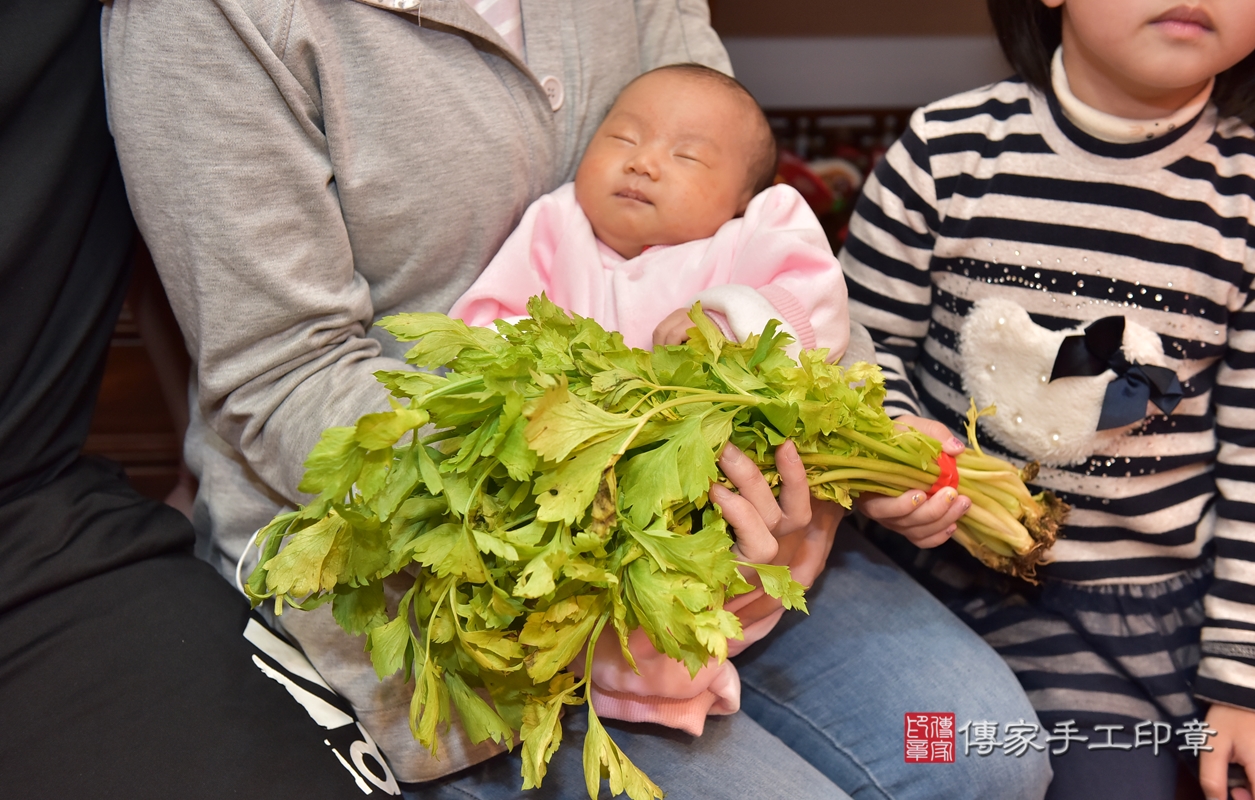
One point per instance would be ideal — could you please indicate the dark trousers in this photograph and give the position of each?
(138, 683)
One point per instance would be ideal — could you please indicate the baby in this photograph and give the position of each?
(671, 204)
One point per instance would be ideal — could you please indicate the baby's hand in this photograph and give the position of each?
(673, 329)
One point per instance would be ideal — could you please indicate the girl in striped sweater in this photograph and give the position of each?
(1075, 245)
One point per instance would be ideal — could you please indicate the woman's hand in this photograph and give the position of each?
(789, 531)
(1234, 743)
(767, 532)
(926, 521)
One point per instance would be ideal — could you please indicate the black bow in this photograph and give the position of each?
(1097, 351)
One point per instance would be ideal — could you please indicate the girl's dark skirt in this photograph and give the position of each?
(1112, 663)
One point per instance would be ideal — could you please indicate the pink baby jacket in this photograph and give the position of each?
(772, 263)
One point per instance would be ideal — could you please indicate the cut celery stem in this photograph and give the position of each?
(843, 475)
(872, 464)
(971, 459)
(970, 532)
(1009, 531)
(1005, 500)
(888, 451)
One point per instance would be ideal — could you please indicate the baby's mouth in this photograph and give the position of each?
(632, 194)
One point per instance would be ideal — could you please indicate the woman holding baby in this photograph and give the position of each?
(301, 169)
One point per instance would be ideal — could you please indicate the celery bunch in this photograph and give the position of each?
(1007, 528)
(552, 484)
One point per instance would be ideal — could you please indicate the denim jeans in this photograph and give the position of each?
(822, 708)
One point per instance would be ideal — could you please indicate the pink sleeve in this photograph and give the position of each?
(782, 253)
(521, 268)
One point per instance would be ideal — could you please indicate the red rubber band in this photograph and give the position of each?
(949, 474)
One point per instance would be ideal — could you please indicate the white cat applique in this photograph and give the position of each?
(1062, 396)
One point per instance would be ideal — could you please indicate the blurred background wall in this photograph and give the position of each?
(864, 54)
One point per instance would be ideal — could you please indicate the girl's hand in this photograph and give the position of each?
(771, 531)
(926, 521)
(1234, 743)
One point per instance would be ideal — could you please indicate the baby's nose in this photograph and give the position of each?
(644, 162)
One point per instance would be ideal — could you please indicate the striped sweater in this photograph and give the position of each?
(995, 194)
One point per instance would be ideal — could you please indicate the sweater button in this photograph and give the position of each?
(554, 91)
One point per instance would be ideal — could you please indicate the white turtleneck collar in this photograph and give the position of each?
(1111, 128)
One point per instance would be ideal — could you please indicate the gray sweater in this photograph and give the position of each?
(301, 168)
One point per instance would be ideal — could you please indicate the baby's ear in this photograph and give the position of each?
(744, 203)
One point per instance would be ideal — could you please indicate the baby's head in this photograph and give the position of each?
(681, 152)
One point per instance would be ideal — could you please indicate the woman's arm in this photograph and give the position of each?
(675, 31)
(230, 175)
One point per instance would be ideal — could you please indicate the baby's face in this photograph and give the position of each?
(669, 164)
